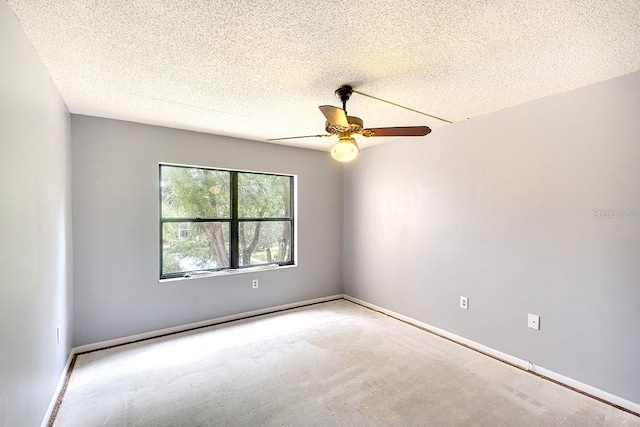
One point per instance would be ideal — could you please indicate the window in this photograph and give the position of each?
(212, 219)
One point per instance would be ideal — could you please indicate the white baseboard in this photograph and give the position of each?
(56, 393)
(586, 388)
(611, 398)
(204, 323)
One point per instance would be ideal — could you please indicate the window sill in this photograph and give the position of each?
(231, 272)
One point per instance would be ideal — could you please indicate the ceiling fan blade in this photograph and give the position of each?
(335, 116)
(297, 137)
(397, 131)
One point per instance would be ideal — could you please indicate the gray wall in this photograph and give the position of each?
(499, 208)
(115, 219)
(35, 230)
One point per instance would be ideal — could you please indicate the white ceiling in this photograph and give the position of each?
(259, 69)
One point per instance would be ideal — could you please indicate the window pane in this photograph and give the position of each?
(264, 242)
(263, 196)
(195, 193)
(189, 246)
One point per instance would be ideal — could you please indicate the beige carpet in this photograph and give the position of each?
(330, 364)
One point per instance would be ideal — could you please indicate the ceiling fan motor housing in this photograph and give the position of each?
(355, 126)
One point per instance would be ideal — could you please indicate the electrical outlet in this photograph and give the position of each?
(58, 337)
(534, 321)
(254, 283)
(464, 303)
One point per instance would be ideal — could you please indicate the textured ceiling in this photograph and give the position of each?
(258, 69)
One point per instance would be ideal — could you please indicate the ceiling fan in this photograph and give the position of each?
(344, 126)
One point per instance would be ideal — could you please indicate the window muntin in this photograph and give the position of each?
(213, 219)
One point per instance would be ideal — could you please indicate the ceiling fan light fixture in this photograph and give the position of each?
(345, 150)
